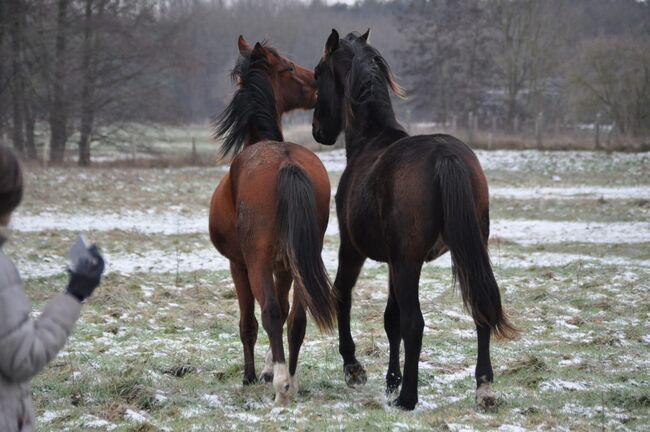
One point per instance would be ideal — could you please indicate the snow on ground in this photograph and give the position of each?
(519, 231)
(590, 192)
(148, 222)
(520, 160)
(165, 261)
(540, 231)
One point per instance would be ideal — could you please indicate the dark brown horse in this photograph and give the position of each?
(269, 213)
(403, 200)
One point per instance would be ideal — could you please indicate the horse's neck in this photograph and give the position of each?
(256, 134)
(372, 132)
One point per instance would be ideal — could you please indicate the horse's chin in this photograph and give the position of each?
(319, 137)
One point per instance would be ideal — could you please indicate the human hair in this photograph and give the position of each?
(11, 181)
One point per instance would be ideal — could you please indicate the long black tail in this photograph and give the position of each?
(471, 262)
(300, 239)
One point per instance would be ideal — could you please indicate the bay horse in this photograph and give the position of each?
(268, 215)
(403, 200)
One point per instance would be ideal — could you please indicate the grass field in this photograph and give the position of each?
(157, 347)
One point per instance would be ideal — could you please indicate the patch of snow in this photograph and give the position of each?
(245, 417)
(48, 416)
(455, 427)
(528, 232)
(213, 401)
(89, 421)
(334, 160)
(559, 385)
(134, 416)
(148, 222)
(591, 192)
(511, 428)
(456, 376)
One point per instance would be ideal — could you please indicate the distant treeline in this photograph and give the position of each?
(71, 69)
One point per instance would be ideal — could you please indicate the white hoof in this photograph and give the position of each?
(485, 397)
(282, 383)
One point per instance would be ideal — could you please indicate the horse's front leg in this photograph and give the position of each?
(392, 327)
(350, 263)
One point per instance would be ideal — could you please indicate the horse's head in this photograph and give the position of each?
(330, 74)
(348, 76)
(294, 86)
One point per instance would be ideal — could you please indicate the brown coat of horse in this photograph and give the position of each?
(268, 215)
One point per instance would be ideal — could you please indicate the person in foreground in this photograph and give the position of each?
(26, 345)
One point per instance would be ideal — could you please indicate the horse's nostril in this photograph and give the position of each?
(286, 387)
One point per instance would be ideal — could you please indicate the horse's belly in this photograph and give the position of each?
(366, 234)
(222, 223)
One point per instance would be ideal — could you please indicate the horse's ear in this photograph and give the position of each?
(258, 49)
(364, 37)
(244, 46)
(332, 42)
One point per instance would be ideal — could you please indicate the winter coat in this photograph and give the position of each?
(26, 345)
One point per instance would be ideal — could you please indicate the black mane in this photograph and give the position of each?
(368, 80)
(252, 110)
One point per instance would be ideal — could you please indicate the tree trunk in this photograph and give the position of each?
(87, 113)
(58, 115)
(89, 73)
(30, 126)
(17, 84)
(3, 20)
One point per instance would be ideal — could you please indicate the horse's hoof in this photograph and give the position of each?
(406, 404)
(485, 397)
(267, 377)
(281, 400)
(355, 375)
(249, 380)
(282, 383)
(393, 381)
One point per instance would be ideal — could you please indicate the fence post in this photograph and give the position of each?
(493, 129)
(597, 130)
(538, 129)
(454, 122)
(194, 151)
(470, 126)
(515, 124)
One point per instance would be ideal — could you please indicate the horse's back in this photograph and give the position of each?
(413, 159)
(254, 175)
(256, 168)
(400, 210)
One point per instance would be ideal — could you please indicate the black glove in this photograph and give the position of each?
(86, 277)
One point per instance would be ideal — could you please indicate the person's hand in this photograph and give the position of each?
(87, 276)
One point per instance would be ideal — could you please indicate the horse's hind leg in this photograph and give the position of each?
(261, 280)
(406, 279)
(485, 397)
(392, 327)
(283, 285)
(350, 263)
(247, 321)
(297, 327)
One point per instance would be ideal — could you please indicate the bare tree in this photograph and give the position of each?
(58, 116)
(613, 75)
